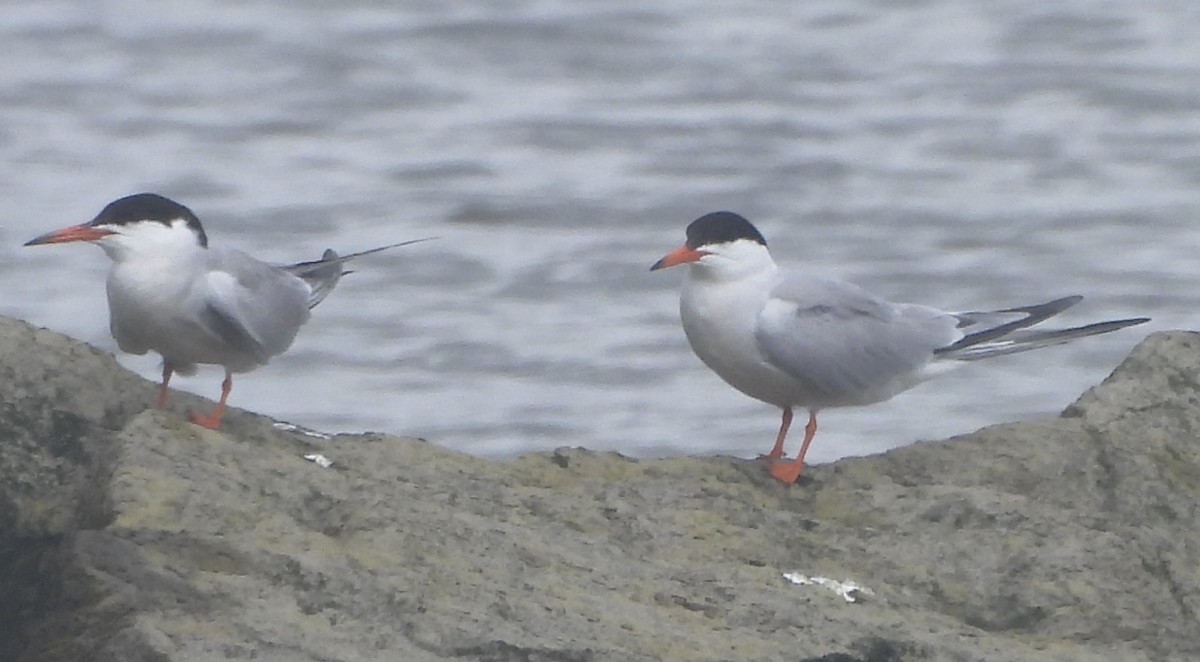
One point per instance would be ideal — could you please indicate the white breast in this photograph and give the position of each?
(719, 319)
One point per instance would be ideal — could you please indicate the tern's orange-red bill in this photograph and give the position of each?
(680, 255)
(71, 233)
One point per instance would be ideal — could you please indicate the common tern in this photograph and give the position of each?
(812, 342)
(168, 292)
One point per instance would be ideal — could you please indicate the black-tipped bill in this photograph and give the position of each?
(681, 255)
(70, 233)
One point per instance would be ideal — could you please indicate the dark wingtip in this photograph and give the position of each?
(1049, 309)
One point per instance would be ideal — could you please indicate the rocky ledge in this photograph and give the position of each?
(129, 535)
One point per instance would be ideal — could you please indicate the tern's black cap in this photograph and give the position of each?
(721, 227)
(149, 207)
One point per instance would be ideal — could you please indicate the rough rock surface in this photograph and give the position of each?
(129, 535)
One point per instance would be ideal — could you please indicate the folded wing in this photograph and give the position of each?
(846, 345)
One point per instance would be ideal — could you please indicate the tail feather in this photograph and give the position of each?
(999, 323)
(1027, 339)
(324, 274)
(1005, 331)
(321, 275)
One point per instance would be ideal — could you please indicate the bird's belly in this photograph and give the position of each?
(159, 320)
(752, 374)
(757, 380)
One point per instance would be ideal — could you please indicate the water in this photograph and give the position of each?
(964, 155)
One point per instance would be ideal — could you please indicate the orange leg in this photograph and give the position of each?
(787, 471)
(777, 451)
(211, 421)
(162, 392)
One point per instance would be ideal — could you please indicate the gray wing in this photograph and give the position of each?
(252, 306)
(844, 343)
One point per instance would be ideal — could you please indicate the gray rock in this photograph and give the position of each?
(127, 534)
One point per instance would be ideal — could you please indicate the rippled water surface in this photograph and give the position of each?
(964, 155)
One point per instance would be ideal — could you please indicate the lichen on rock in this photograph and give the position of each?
(128, 534)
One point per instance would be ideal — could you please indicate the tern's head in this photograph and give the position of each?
(145, 223)
(721, 245)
